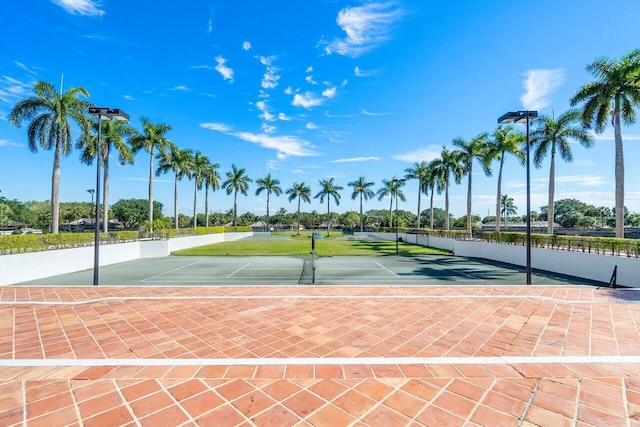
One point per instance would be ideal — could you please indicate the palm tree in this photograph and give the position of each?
(552, 135)
(51, 128)
(177, 161)
(153, 137)
(211, 180)
(302, 192)
(419, 171)
(237, 180)
(391, 188)
(478, 148)
(361, 188)
(506, 141)
(507, 208)
(199, 165)
(615, 94)
(433, 183)
(329, 189)
(112, 132)
(448, 163)
(270, 185)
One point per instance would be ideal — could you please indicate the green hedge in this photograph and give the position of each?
(452, 234)
(599, 245)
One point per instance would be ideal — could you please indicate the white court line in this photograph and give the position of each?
(470, 360)
(385, 268)
(241, 268)
(170, 271)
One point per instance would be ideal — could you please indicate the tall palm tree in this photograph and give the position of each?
(615, 94)
(419, 171)
(433, 183)
(199, 166)
(177, 161)
(302, 192)
(362, 189)
(391, 188)
(152, 138)
(448, 163)
(554, 135)
(508, 208)
(112, 138)
(211, 180)
(237, 180)
(476, 149)
(51, 114)
(328, 189)
(506, 141)
(270, 185)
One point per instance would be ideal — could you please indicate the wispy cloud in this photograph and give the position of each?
(147, 180)
(284, 145)
(7, 143)
(271, 77)
(366, 27)
(330, 92)
(310, 80)
(369, 113)
(226, 72)
(583, 180)
(264, 110)
(426, 154)
(363, 73)
(356, 159)
(284, 117)
(311, 126)
(11, 90)
(180, 88)
(609, 136)
(306, 100)
(80, 7)
(129, 97)
(30, 70)
(210, 26)
(246, 45)
(539, 85)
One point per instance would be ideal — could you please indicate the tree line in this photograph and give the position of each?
(611, 98)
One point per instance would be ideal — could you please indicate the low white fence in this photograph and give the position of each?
(578, 264)
(17, 268)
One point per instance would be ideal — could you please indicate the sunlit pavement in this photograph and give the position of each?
(324, 356)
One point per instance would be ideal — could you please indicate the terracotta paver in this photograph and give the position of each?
(319, 356)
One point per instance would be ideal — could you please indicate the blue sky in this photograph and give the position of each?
(315, 89)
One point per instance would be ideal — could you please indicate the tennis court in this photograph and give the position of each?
(281, 270)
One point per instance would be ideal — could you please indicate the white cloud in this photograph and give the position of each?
(210, 26)
(583, 180)
(267, 128)
(7, 143)
(271, 77)
(80, 7)
(426, 154)
(306, 100)
(30, 70)
(356, 159)
(129, 97)
(368, 113)
(366, 27)
(264, 108)
(12, 90)
(311, 126)
(226, 72)
(609, 136)
(362, 73)
(288, 90)
(309, 69)
(298, 172)
(180, 88)
(284, 117)
(220, 127)
(246, 46)
(539, 85)
(344, 83)
(329, 92)
(310, 80)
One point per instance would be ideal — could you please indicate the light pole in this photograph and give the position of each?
(396, 186)
(91, 191)
(524, 117)
(101, 113)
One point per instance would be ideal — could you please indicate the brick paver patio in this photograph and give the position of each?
(322, 356)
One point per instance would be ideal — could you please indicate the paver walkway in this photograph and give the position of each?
(322, 356)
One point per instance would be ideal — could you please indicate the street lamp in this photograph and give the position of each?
(101, 113)
(396, 185)
(91, 191)
(524, 117)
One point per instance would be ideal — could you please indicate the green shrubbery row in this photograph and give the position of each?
(617, 246)
(452, 234)
(21, 243)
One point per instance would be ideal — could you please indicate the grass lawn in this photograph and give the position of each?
(290, 244)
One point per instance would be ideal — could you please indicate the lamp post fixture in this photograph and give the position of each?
(102, 113)
(524, 117)
(91, 191)
(396, 186)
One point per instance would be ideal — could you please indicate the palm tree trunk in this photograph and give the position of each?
(419, 194)
(175, 200)
(431, 210)
(552, 185)
(619, 174)
(268, 211)
(195, 200)
(328, 220)
(151, 190)
(105, 193)
(235, 208)
(55, 189)
(298, 215)
(469, 205)
(391, 212)
(206, 206)
(446, 206)
(361, 212)
(498, 201)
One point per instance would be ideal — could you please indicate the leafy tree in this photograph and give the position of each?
(247, 218)
(462, 222)
(328, 189)
(554, 135)
(51, 113)
(476, 149)
(448, 163)
(302, 192)
(152, 138)
(113, 137)
(310, 220)
(506, 141)
(237, 181)
(133, 212)
(613, 96)
(350, 219)
(391, 188)
(439, 218)
(174, 160)
(268, 185)
(5, 214)
(508, 208)
(362, 189)
(419, 171)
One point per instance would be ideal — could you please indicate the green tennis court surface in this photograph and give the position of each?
(280, 270)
